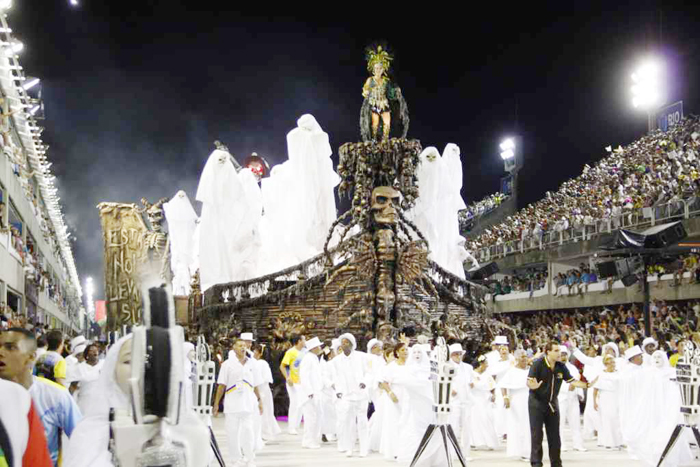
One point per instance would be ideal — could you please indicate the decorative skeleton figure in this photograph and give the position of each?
(390, 260)
(156, 240)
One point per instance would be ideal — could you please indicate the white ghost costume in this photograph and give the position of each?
(247, 244)
(517, 415)
(182, 222)
(280, 206)
(314, 179)
(425, 213)
(221, 194)
(452, 251)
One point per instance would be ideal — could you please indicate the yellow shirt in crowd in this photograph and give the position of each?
(290, 360)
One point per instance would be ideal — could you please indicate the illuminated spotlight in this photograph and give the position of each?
(507, 144)
(30, 84)
(34, 110)
(507, 154)
(74, 3)
(646, 93)
(5, 4)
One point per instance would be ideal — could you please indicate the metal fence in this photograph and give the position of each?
(638, 219)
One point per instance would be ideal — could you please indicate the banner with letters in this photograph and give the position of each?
(123, 230)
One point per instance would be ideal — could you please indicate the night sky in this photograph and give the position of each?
(137, 91)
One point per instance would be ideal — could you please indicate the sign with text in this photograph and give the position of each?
(123, 230)
(669, 116)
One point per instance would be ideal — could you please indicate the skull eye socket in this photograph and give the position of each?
(382, 199)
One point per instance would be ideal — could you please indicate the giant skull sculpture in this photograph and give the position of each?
(385, 200)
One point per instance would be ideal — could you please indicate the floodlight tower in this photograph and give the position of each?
(511, 153)
(646, 89)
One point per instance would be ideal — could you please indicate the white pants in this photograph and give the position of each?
(459, 419)
(311, 409)
(569, 411)
(294, 413)
(257, 429)
(352, 425)
(241, 436)
(330, 423)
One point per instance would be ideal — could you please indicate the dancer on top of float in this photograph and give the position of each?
(378, 92)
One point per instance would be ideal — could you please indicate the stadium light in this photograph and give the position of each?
(507, 149)
(646, 88)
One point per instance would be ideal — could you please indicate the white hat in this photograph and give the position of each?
(335, 344)
(372, 343)
(633, 352)
(500, 340)
(76, 341)
(563, 349)
(247, 336)
(349, 337)
(313, 343)
(650, 340)
(456, 348)
(613, 346)
(79, 349)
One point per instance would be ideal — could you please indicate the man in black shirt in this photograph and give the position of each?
(544, 380)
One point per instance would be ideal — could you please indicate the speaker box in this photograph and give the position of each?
(629, 280)
(664, 235)
(622, 267)
(483, 272)
(607, 269)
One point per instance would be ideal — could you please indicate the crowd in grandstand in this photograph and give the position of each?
(479, 208)
(658, 168)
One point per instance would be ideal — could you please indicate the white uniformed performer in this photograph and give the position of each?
(515, 392)
(237, 379)
(569, 408)
(461, 400)
(309, 392)
(351, 390)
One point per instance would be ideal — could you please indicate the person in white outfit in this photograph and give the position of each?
(569, 408)
(606, 402)
(309, 392)
(395, 401)
(461, 400)
(270, 427)
(237, 379)
(649, 346)
(247, 338)
(351, 390)
(375, 366)
(483, 431)
(515, 392)
(329, 425)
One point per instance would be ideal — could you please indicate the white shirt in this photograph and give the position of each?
(310, 378)
(239, 381)
(350, 373)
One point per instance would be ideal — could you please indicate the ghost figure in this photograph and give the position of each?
(246, 243)
(182, 222)
(452, 244)
(314, 179)
(425, 213)
(220, 192)
(280, 206)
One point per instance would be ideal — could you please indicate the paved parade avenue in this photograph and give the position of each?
(286, 451)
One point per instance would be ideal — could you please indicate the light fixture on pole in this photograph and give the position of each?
(646, 89)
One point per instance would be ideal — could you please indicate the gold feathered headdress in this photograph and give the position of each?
(378, 55)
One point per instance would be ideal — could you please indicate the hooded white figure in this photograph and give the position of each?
(312, 170)
(351, 379)
(425, 213)
(182, 222)
(514, 384)
(221, 193)
(247, 244)
(452, 251)
(606, 402)
(569, 408)
(309, 390)
(280, 206)
(649, 346)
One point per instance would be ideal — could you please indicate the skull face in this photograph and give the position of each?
(385, 199)
(155, 217)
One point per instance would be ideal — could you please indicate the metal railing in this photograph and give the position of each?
(637, 218)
